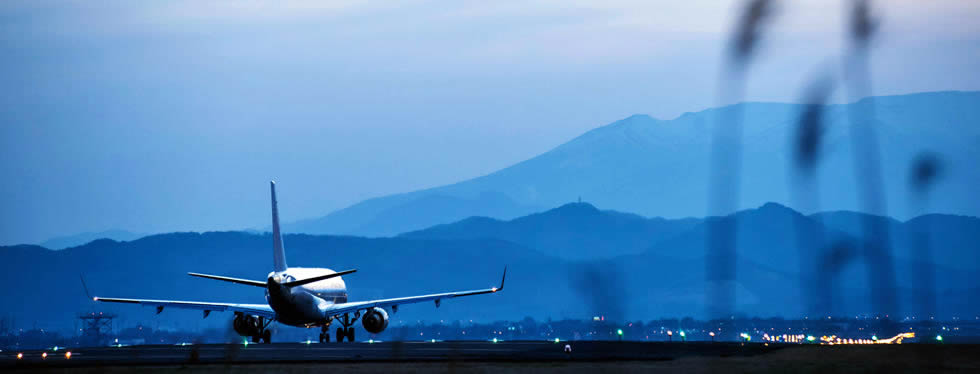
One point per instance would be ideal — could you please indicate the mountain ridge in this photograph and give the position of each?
(659, 167)
(666, 279)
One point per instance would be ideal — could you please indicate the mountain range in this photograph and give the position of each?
(66, 241)
(575, 231)
(574, 261)
(660, 167)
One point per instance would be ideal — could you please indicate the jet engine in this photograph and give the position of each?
(375, 321)
(246, 325)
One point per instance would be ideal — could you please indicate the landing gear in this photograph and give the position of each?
(347, 331)
(264, 336)
(324, 335)
(251, 327)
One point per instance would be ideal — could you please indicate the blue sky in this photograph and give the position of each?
(156, 116)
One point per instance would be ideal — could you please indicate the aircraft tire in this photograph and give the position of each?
(267, 336)
(350, 334)
(340, 335)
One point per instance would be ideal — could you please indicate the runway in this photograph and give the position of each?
(511, 357)
(517, 351)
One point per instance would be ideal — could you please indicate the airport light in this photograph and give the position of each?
(683, 336)
(670, 336)
(494, 340)
(712, 334)
(557, 340)
(44, 355)
(810, 338)
(20, 356)
(68, 355)
(939, 338)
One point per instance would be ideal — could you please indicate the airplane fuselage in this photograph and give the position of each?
(304, 305)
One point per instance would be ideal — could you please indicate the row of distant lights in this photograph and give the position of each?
(831, 340)
(44, 355)
(834, 340)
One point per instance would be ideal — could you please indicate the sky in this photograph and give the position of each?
(158, 116)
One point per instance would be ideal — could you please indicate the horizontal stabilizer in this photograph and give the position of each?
(317, 279)
(229, 279)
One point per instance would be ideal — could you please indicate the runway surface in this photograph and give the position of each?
(372, 352)
(503, 357)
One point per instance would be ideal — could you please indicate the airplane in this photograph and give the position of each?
(301, 297)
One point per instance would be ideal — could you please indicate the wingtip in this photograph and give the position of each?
(502, 279)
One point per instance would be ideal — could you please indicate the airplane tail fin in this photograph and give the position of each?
(278, 252)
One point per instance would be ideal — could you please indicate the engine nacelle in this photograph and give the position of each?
(375, 320)
(246, 325)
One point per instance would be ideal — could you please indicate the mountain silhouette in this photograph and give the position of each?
(575, 231)
(665, 279)
(63, 242)
(400, 215)
(660, 167)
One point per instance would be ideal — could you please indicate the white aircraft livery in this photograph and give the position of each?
(303, 297)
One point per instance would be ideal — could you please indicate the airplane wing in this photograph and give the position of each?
(361, 305)
(252, 309)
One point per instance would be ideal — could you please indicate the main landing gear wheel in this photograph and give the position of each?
(345, 333)
(267, 336)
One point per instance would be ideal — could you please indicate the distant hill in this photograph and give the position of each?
(580, 231)
(63, 242)
(666, 279)
(660, 167)
(391, 216)
(951, 239)
(575, 231)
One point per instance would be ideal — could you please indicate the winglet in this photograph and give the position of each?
(502, 279)
(84, 287)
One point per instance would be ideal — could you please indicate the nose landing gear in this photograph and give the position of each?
(345, 332)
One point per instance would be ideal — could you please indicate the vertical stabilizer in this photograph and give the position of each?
(278, 253)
